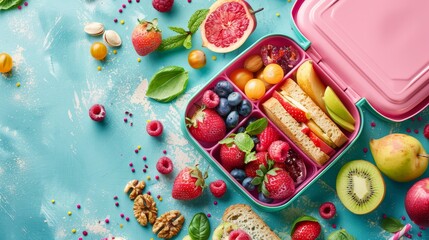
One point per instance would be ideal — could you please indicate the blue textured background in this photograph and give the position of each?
(51, 149)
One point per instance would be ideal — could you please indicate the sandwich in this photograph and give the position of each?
(304, 122)
(241, 218)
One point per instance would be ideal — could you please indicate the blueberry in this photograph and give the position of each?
(234, 98)
(264, 199)
(241, 129)
(244, 108)
(223, 108)
(223, 88)
(232, 119)
(247, 184)
(255, 139)
(238, 174)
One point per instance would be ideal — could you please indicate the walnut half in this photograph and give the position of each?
(168, 224)
(145, 209)
(135, 187)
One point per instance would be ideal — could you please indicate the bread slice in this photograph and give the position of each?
(247, 220)
(292, 129)
(293, 90)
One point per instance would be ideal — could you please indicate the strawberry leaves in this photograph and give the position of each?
(184, 38)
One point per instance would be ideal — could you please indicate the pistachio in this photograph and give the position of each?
(94, 28)
(112, 38)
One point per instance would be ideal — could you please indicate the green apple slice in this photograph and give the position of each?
(338, 120)
(333, 102)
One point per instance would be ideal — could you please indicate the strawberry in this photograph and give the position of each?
(207, 126)
(298, 114)
(253, 166)
(146, 37)
(266, 137)
(318, 142)
(231, 157)
(307, 229)
(188, 184)
(278, 184)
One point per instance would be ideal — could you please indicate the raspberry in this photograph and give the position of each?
(97, 112)
(278, 151)
(164, 165)
(210, 99)
(327, 210)
(218, 188)
(426, 131)
(154, 128)
(162, 5)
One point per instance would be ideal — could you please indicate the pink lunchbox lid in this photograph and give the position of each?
(378, 50)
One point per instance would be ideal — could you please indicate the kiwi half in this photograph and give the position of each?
(360, 186)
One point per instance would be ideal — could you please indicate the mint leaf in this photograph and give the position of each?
(257, 126)
(391, 225)
(7, 4)
(244, 142)
(226, 141)
(167, 84)
(188, 42)
(172, 42)
(178, 30)
(340, 235)
(196, 19)
(249, 157)
(302, 219)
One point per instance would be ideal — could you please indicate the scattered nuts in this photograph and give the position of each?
(112, 38)
(135, 187)
(94, 28)
(168, 224)
(145, 209)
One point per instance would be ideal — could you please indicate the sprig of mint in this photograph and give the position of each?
(184, 38)
(391, 224)
(7, 4)
(244, 140)
(167, 84)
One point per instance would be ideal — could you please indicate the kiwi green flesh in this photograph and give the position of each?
(360, 186)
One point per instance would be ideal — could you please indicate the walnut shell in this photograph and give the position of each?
(168, 224)
(145, 209)
(135, 187)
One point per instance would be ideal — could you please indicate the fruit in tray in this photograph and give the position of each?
(285, 56)
(206, 125)
(227, 25)
(400, 157)
(360, 186)
(293, 111)
(264, 164)
(337, 111)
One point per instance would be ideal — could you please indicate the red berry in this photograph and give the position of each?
(164, 165)
(278, 151)
(426, 131)
(266, 137)
(306, 230)
(154, 128)
(327, 210)
(97, 112)
(210, 99)
(239, 235)
(253, 166)
(218, 188)
(231, 157)
(162, 5)
(188, 184)
(207, 126)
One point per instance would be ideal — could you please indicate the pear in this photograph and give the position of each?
(400, 157)
(309, 81)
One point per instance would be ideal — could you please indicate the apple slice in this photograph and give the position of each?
(308, 80)
(317, 141)
(333, 102)
(341, 122)
(296, 110)
(319, 133)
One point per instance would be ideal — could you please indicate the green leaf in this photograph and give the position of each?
(244, 142)
(167, 84)
(199, 228)
(256, 181)
(257, 126)
(391, 225)
(7, 4)
(178, 30)
(196, 19)
(172, 42)
(302, 219)
(340, 235)
(188, 42)
(226, 141)
(249, 157)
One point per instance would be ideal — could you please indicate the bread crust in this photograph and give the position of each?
(246, 219)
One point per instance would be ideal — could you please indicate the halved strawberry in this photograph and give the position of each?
(297, 113)
(318, 142)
